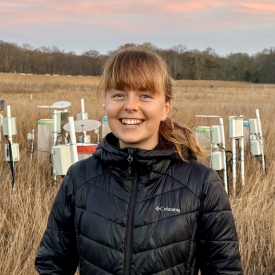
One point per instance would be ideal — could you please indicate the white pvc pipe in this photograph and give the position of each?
(54, 127)
(234, 165)
(223, 155)
(82, 106)
(83, 117)
(73, 139)
(9, 123)
(261, 138)
(10, 140)
(54, 138)
(241, 141)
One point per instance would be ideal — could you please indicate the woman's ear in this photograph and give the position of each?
(166, 111)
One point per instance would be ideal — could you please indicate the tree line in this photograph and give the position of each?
(183, 63)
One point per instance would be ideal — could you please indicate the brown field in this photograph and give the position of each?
(23, 212)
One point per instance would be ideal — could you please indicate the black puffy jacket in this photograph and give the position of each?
(131, 211)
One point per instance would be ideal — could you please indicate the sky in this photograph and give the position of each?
(245, 26)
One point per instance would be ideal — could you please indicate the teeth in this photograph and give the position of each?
(131, 121)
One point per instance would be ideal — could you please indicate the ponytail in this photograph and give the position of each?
(182, 138)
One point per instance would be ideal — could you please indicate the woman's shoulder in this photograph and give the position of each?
(84, 163)
(192, 167)
(84, 170)
(195, 175)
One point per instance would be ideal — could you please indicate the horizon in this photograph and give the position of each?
(186, 49)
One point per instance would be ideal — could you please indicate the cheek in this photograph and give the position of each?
(110, 109)
(110, 115)
(113, 113)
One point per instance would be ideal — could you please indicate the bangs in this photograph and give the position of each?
(135, 70)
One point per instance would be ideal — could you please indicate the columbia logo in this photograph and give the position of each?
(162, 208)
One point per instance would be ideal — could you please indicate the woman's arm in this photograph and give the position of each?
(218, 251)
(57, 252)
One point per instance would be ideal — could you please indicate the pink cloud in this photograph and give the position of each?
(132, 14)
(137, 7)
(111, 6)
(259, 8)
(49, 12)
(5, 6)
(177, 7)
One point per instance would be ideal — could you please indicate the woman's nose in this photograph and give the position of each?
(131, 104)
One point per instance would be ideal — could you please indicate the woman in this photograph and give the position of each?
(142, 204)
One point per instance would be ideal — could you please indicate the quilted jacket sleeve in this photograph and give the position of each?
(218, 243)
(57, 252)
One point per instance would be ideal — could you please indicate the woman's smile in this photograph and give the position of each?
(131, 122)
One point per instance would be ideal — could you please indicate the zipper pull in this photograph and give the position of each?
(130, 159)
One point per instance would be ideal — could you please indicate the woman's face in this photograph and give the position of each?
(134, 117)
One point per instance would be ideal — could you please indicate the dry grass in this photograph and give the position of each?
(23, 212)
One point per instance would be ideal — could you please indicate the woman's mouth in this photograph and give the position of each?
(131, 122)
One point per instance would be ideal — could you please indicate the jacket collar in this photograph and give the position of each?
(143, 161)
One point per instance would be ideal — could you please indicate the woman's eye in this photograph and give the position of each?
(145, 96)
(118, 95)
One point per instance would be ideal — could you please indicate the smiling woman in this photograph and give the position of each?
(136, 105)
(142, 204)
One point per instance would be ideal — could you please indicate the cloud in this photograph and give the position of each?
(186, 6)
(113, 13)
(259, 7)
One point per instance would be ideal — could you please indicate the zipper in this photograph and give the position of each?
(130, 159)
(130, 221)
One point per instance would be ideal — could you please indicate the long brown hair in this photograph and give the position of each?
(143, 69)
